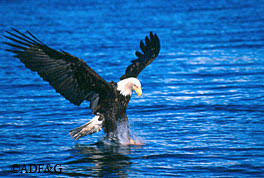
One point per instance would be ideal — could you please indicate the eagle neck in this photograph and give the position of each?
(125, 86)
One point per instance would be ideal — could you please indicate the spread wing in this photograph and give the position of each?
(68, 75)
(150, 51)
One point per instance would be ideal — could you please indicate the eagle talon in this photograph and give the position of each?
(132, 142)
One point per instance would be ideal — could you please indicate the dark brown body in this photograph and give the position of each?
(113, 108)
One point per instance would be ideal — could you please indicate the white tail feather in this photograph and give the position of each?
(94, 125)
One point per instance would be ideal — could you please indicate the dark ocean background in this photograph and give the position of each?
(202, 109)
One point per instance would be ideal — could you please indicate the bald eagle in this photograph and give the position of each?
(76, 81)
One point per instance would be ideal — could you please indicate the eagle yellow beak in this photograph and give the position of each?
(138, 90)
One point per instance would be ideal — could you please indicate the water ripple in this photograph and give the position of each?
(201, 112)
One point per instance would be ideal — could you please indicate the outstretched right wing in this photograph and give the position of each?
(67, 74)
(150, 51)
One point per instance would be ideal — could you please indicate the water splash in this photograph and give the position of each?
(127, 137)
(123, 134)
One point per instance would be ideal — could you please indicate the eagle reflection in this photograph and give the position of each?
(101, 159)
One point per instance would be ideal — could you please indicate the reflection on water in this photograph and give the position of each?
(100, 159)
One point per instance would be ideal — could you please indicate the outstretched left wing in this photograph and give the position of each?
(67, 74)
(150, 51)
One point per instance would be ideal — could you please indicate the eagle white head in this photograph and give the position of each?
(127, 86)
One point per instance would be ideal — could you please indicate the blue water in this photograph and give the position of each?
(202, 109)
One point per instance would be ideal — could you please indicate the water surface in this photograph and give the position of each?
(201, 112)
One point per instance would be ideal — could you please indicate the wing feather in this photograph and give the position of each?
(150, 51)
(67, 74)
